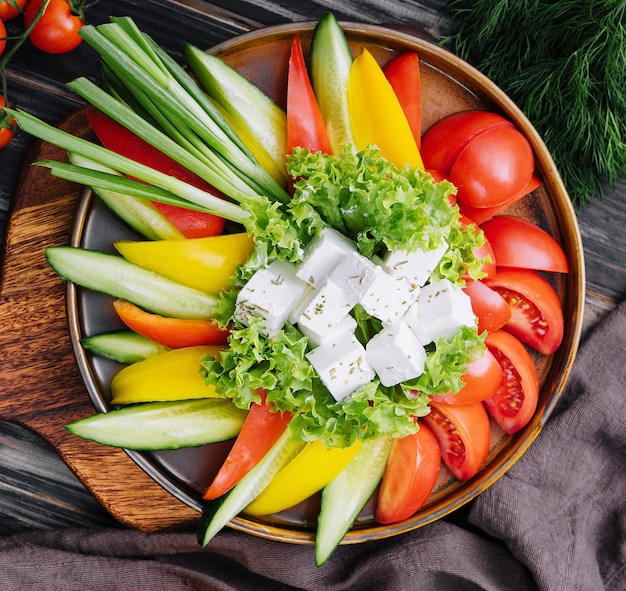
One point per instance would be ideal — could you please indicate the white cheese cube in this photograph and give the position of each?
(345, 326)
(396, 354)
(325, 308)
(389, 297)
(417, 266)
(342, 366)
(355, 274)
(440, 311)
(270, 294)
(323, 254)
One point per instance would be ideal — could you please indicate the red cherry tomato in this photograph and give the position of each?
(536, 313)
(7, 126)
(3, 35)
(493, 167)
(9, 11)
(519, 243)
(482, 214)
(57, 29)
(444, 140)
(403, 73)
(463, 433)
(515, 402)
(410, 476)
(482, 379)
(490, 308)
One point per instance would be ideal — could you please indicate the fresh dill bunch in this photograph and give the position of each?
(563, 62)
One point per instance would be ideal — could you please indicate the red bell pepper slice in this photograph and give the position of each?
(171, 332)
(305, 124)
(260, 431)
(403, 73)
(119, 139)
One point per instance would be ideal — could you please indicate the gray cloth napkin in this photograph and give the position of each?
(555, 521)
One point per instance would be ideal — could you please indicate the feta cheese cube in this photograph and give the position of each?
(345, 326)
(325, 308)
(270, 294)
(323, 254)
(342, 366)
(440, 311)
(417, 266)
(389, 297)
(396, 354)
(355, 274)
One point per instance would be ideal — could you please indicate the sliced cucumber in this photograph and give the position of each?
(163, 425)
(345, 496)
(217, 513)
(243, 102)
(331, 60)
(123, 346)
(113, 275)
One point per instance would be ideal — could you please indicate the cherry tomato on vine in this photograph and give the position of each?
(443, 141)
(3, 35)
(57, 30)
(519, 243)
(7, 126)
(491, 310)
(463, 432)
(9, 11)
(410, 476)
(515, 402)
(536, 313)
(482, 379)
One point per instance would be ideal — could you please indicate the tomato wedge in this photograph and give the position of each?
(171, 332)
(492, 311)
(463, 432)
(515, 401)
(305, 124)
(536, 312)
(444, 140)
(403, 73)
(410, 476)
(482, 379)
(520, 243)
(259, 433)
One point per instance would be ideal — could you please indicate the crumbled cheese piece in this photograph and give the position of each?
(355, 274)
(417, 266)
(389, 297)
(323, 254)
(342, 366)
(440, 311)
(270, 294)
(396, 355)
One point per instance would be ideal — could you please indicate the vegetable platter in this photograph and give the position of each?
(448, 86)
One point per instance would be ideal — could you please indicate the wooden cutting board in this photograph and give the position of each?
(40, 384)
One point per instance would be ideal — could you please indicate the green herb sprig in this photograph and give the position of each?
(564, 64)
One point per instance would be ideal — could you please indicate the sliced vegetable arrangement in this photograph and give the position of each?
(355, 316)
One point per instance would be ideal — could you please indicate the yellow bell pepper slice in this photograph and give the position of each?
(174, 375)
(376, 115)
(206, 264)
(309, 472)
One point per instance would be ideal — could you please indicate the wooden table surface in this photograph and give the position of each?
(37, 490)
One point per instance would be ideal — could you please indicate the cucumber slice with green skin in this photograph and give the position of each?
(115, 276)
(331, 60)
(163, 425)
(344, 497)
(217, 513)
(244, 102)
(124, 346)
